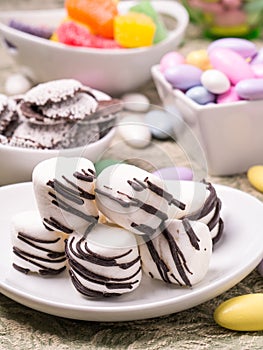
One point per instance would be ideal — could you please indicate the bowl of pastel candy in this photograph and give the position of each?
(218, 92)
(110, 47)
(59, 117)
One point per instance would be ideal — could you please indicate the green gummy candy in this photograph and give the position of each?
(147, 8)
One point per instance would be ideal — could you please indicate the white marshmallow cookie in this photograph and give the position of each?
(35, 248)
(179, 254)
(64, 191)
(133, 198)
(105, 262)
(201, 204)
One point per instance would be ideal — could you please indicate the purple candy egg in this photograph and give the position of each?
(174, 173)
(250, 89)
(183, 76)
(243, 47)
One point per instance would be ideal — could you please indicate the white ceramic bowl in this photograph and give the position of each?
(230, 134)
(17, 163)
(114, 71)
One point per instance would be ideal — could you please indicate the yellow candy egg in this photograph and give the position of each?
(199, 58)
(255, 177)
(242, 313)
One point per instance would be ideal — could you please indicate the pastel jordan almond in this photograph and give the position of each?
(242, 313)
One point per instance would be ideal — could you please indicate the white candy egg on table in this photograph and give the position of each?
(136, 102)
(134, 131)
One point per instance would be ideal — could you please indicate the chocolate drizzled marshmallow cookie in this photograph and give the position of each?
(8, 117)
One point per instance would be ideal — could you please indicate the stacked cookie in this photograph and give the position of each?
(55, 115)
(118, 225)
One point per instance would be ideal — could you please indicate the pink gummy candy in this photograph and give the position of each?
(73, 34)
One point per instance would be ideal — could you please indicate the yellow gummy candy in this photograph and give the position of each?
(134, 30)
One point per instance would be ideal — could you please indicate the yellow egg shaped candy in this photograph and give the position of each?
(242, 313)
(199, 58)
(255, 177)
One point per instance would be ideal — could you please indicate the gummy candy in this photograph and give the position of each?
(134, 30)
(99, 14)
(40, 31)
(54, 36)
(147, 8)
(71, 33)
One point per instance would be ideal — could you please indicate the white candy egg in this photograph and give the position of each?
(215, 81)
(134, 131)
(136, 102)
(17, 84)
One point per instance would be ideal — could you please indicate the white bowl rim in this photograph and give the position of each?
(174, 9)
(51, 152)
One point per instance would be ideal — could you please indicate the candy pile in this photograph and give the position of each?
(115, 225)
(101, 25)
(55, 115)
(229, 70)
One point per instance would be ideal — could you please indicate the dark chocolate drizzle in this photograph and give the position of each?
(212, 202)
(215, 219)
(178, 256)
(81, 192)
(191, 234)
(85, 176)
(84, 253)
(94, 258)
(57, 225)
(164, 194)
(87, 291)
(68, 208)
(208, 206)
(29, 241)
(65, 191)
(160, 264)
(35, 260)
(148, 230)
(73, 194)
(219, 232)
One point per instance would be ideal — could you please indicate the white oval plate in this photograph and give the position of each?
(235, 256)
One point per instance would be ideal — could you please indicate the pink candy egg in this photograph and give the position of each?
(229, 96)
(258, 70)
(171, 59)
(235, 67)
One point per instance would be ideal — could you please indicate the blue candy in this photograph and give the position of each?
(200, 95)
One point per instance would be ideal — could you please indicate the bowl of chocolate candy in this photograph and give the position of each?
(110, 47)
(60, 117)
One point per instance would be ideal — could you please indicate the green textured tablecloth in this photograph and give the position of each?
(194, 329)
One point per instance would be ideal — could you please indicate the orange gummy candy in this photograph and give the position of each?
(99, 14)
